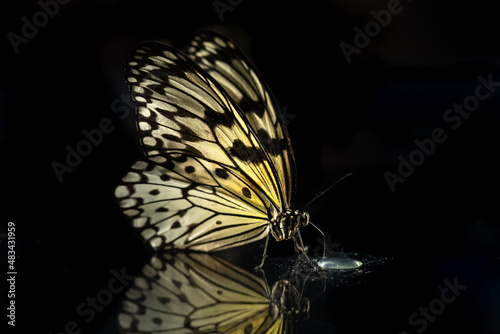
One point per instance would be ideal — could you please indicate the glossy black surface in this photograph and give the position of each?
(440, 225)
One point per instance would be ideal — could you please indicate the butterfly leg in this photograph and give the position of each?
(264, 255)
(299, 247)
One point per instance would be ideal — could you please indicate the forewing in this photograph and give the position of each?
(232, 69)
(182, 109)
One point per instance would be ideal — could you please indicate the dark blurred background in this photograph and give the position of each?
(360, 114)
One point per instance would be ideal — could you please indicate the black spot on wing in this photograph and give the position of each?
(246, 192)
(177, 284)
(180, 158)
(264, 137)
(244, 153)
(160, 74)
(154, 192)
(248, 329)
(162, 209)
(273, 146)
(164, 300)
(222, 173)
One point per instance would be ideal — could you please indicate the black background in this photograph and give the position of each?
(442, 222)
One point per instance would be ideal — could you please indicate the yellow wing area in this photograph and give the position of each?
(208, 208)
(181, 109)
(233, 70)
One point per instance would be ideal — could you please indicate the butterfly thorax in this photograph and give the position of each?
(285, 224)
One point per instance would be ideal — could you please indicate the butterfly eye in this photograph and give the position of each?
(303, 218)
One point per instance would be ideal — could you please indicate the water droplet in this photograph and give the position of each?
(339, 263)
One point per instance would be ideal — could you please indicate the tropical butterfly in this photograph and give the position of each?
(200, 293)
(219, 170)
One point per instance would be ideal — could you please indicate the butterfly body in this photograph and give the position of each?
(285, 225)
(219, 170)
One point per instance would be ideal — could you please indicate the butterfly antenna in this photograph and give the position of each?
(315, 198)
(321, 193)
(324, 238)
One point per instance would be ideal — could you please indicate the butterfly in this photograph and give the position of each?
(219, 170)
(201, 293)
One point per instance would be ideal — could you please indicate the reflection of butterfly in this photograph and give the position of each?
(199, 293)
(219, 171)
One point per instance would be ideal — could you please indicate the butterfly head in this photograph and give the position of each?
(286, 300)
(302, 217)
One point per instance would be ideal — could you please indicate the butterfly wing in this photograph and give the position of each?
(196, 293)
(232, 69)
(201, 149)
(177, 201)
